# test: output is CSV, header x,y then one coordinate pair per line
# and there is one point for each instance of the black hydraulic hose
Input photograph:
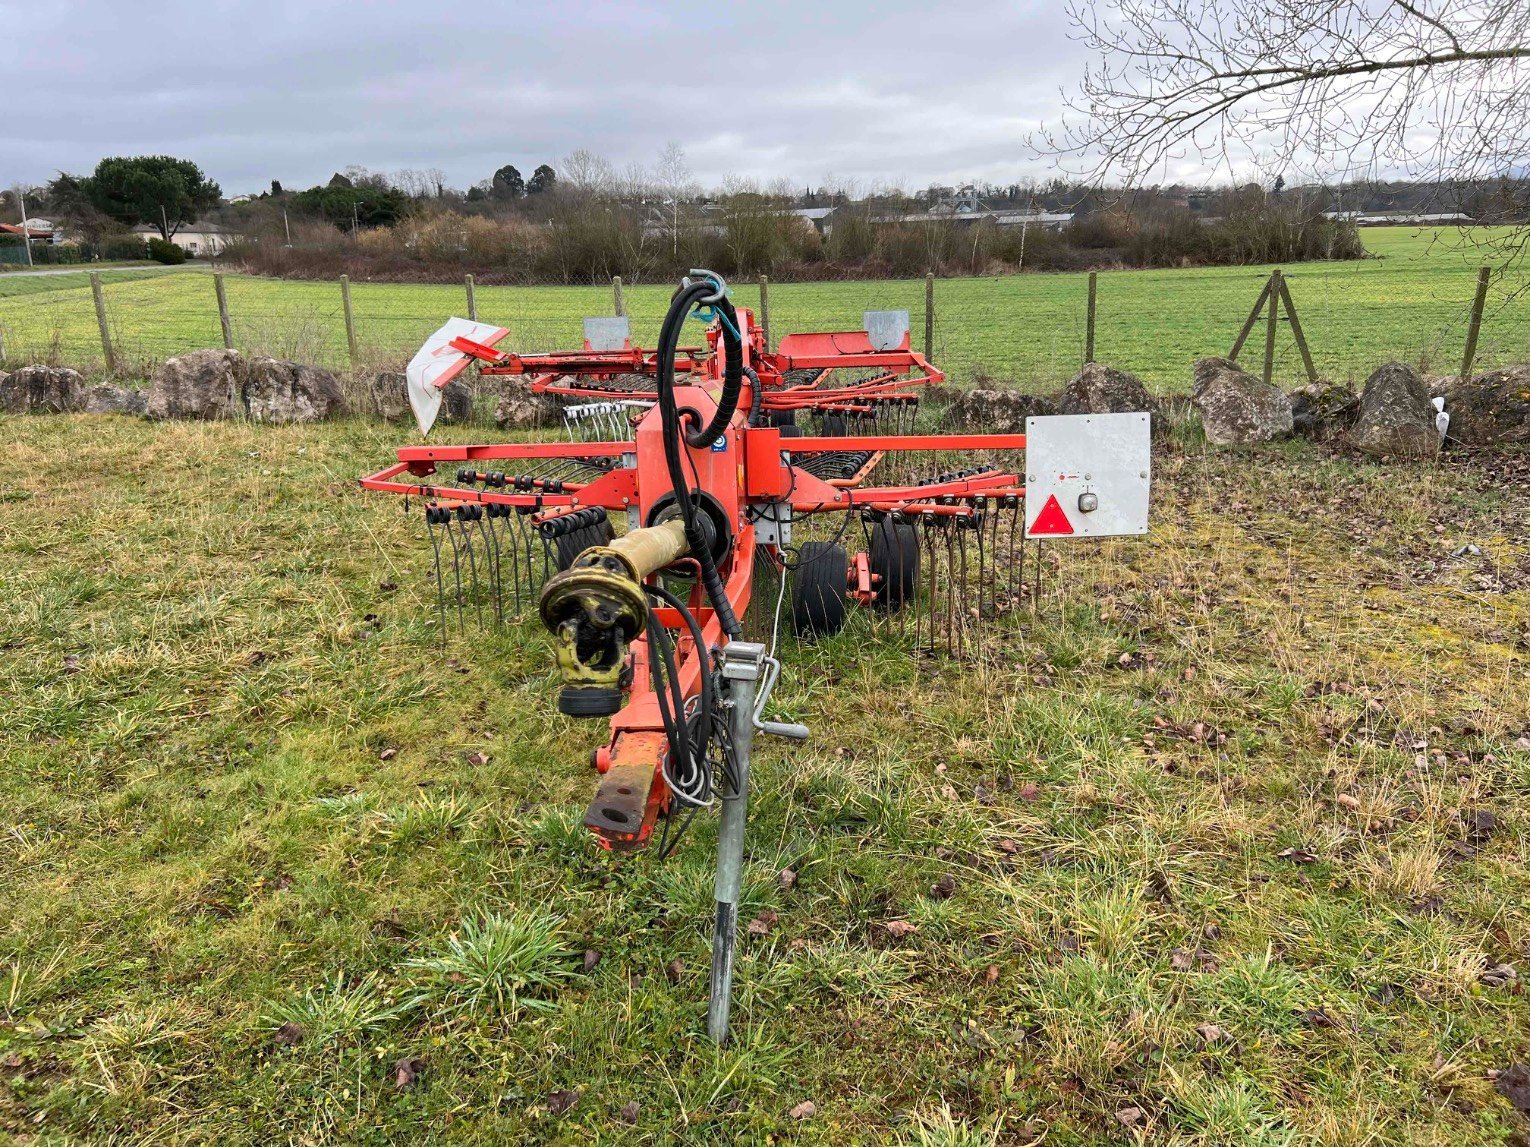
x,y
676,438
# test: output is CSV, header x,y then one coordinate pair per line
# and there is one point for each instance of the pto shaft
x,y
597,606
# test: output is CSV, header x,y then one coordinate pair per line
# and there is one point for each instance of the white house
x,y
194,238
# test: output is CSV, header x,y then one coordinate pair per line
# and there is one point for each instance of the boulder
x,y
108,398
1492,409
996,411
390,395
1323,410
278,391
1101,389
456,401
1396,418
42,390
1236,407
519,409
202,384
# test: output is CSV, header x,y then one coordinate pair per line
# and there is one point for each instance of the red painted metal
x,y
748,467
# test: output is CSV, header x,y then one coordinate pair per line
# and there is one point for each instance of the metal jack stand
x,y
742,665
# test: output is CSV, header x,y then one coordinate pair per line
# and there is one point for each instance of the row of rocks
x,y
1393,415
204,385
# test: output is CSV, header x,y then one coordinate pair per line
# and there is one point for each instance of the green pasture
x,y
1410,301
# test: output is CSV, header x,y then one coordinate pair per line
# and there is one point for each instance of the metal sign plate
x,y
1087,475
607,332
887,330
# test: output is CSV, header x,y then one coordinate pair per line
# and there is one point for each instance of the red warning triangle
x,y
1051,520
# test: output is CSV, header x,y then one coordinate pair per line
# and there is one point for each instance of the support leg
x,y
741,664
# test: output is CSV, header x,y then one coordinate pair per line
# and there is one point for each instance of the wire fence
x,y
1031,331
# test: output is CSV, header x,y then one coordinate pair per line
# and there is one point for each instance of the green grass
x,y
205,839
1412,302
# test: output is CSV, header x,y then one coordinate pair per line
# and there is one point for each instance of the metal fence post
x,y
616,296
1475,327
1269,330
223,319
1089,329
350,318
472,297
106,333
929,315
765,309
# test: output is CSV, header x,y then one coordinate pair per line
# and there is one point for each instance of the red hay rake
x,y
695,451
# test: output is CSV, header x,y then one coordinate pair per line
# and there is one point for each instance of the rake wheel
x,y
894,560
818,589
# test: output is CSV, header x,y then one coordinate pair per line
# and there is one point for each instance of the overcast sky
x,y
885,93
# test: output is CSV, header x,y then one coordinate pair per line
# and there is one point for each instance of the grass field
x,y
1239,887
1412,302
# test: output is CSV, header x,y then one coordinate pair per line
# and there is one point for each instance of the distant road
x,y
79,268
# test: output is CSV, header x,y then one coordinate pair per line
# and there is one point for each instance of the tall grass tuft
x,y
500,965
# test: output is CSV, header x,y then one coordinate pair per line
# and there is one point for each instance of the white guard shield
x,y
438,362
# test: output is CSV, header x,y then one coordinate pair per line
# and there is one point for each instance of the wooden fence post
x,y
929,315
106,333
223,319
350,318
765,310
616,296
1248,323
1089,329
1475,327
1296,329
1269,330
472,298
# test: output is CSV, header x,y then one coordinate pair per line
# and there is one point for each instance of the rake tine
x,y
466,515
456,571
435,544
493,557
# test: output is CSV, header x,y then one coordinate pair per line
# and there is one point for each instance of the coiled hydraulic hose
x,y
674,421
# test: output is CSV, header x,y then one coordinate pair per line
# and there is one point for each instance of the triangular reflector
x,y
1051,520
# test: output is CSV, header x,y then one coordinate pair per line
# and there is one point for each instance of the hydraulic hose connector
x,y
596,607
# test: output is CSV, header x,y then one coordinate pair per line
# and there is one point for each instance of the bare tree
x,y
1426,89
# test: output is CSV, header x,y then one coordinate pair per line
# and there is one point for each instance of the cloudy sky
x,y
873,94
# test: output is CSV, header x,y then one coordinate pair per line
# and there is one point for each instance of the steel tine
x,y
435,544
466,514
451,536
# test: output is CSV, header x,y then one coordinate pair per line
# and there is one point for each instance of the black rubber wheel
x,y
819,584
783,418
894,561
793,431
833,426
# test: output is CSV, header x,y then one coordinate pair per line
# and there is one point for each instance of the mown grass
x,y
1412,301
1216,777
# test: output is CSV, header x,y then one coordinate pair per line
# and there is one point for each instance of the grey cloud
x,y
893,92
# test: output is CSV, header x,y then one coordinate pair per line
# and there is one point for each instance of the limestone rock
x,y
1396,418
519,409
390,395
1236,407
457,401
202,384
278,391
1492,409
996,411
1101,389
108,398
42,390
1323,410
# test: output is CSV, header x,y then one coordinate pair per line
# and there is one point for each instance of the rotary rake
x,y
646,537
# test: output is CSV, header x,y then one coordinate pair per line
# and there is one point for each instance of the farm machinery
x,y
695,453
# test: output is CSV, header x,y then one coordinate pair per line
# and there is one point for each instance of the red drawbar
x,y
1051,520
